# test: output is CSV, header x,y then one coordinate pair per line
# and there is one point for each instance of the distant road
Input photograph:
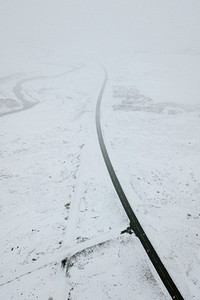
x,y
17,90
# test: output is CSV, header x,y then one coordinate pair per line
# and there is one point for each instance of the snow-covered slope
x,y
56,199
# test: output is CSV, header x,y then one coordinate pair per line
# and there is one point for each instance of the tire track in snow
x,y
75,202
27,273
134,223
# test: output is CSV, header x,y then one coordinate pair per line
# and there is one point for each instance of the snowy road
x,y
134,223
58,201
153,145
19,92
63,230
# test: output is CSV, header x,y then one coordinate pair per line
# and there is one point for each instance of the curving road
x,y
134,223
18,90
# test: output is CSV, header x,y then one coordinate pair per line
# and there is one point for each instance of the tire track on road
x,y
134,223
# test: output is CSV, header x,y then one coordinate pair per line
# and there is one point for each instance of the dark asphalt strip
x,y
134,223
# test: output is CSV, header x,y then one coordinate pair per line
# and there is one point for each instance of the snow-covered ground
x,y
57,203
57,198
153,140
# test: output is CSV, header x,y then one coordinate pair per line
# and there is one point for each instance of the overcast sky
x,y
102,25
